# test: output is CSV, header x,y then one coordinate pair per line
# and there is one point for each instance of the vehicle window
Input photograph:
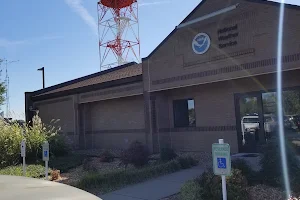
x,y
184,113
250,120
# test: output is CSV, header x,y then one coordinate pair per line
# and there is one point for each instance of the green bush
x,y
209,186
167,154
271,172
137,155
191,190
11,136
34,171
187,162
119,178
10,139
58,146
107,156
251,176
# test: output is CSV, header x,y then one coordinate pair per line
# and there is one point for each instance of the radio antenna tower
x,y
118,29
7,86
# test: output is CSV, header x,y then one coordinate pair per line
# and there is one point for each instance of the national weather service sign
x,y
201,43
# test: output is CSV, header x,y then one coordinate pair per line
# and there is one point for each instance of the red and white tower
x,y
118,28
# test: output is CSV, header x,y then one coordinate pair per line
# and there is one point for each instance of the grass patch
x,y
114,180
64,164
34,171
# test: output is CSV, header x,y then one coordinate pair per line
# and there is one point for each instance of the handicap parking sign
x,y
221,163
45,153
221,159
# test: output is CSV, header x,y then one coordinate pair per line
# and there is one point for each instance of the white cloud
x,y
153,3
76,6
6,43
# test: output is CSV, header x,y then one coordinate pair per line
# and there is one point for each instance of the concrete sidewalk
x,y
155,189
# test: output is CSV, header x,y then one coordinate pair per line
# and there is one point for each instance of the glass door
x,y
250,122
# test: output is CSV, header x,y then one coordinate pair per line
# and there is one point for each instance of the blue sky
x,y
60,35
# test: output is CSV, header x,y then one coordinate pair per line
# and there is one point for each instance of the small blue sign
x,y
221,163
201,43
45,153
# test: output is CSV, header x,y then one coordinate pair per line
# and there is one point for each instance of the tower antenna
x,y
7,86
118,29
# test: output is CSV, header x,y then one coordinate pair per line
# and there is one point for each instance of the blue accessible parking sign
x,y
221,159
221,163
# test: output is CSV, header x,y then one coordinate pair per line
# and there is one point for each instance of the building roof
x,y
121,72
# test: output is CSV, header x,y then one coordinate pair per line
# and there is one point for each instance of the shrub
x,y
187,162
34,171
167,154
209,186
11,136
88,165
106,156
137,155
242,165
10,139
58,146
191,190
271,171
116,179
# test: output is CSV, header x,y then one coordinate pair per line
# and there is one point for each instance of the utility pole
x,y
7,86
43,74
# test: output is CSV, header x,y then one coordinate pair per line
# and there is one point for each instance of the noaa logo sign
x,y
201,43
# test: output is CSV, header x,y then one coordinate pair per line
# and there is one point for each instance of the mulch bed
x,y
258,192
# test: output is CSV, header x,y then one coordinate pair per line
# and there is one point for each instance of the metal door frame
x,y
261,135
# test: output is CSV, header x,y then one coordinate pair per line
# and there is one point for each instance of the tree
x,y
291,102
2,89
248,106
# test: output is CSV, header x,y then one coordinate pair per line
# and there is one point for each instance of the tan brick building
x,y
191,90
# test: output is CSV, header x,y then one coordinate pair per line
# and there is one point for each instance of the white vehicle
x,y
250,124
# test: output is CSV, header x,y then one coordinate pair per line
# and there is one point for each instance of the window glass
x,y
184,113
192,116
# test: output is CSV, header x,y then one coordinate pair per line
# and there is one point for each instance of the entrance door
x,y
250,122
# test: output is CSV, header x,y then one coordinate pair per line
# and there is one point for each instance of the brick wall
x,y
113,123
215,111
175,64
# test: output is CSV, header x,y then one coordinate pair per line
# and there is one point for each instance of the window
x,y
184,113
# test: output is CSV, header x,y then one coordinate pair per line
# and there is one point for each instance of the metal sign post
x,y
23,155
46,157
222,163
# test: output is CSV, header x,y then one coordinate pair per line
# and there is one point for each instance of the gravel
x,y
173,197
258,192
262,192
